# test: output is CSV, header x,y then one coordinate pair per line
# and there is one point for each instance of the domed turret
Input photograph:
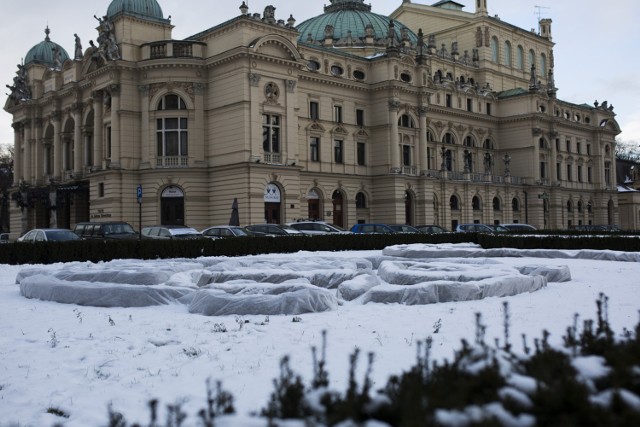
x,y
144,9
44,53
352,19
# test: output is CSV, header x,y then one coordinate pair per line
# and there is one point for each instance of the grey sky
x,y
596,53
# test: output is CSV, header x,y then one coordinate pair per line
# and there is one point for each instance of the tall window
x,y
607,173
406,121
496,204
507,53
314,149
488,108
559,171
543,170
338,151
532,58
469,104
520,58
361,200
362,154
359,117
589,175
314,110
172,133
406,155
448,102
543,65
271,133
495,54
337,113
579,173
569,173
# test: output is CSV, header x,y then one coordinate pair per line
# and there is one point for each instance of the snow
x,y
80,336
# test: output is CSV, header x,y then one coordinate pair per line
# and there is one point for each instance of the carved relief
x,y
271,92
254,79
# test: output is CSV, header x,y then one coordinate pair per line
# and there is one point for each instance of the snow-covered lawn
x,y
81,358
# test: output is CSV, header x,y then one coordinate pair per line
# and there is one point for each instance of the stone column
x,y
115,126
77,139
57,146
394,106
38,150
421,155
148,138
17,152
98,126
27,151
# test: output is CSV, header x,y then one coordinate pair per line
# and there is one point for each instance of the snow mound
x,y
556,273
266,299
451,291
98,294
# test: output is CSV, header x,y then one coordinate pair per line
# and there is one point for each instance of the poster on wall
x,y
272,194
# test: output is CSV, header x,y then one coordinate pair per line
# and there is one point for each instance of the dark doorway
x,y
338,209
172,206
408,208
272,213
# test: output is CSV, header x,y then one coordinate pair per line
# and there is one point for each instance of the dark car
x,y
404,228
4,237
481,228
224,231
274,230
168,232
371,228
48,235
518,227
431,228
111,230
317,227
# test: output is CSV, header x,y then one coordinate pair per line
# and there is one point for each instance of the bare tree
x,y
628,150
6,182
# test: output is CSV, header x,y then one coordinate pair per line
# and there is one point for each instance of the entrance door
x,y
172,206
338,209
272,204
408,208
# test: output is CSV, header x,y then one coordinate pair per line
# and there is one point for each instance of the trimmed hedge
x,y
107,250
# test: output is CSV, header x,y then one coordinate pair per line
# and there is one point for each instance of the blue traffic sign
x,y
139,193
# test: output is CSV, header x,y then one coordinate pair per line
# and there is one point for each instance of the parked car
x,y
225,231
519,227
117,230
403,228
371,228
317,227
274,230
431,228
481,228
170,232
48,235
4,237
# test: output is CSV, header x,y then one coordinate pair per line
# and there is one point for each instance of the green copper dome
x,y
43,53
354,16
139,8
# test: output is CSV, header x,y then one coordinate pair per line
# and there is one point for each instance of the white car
x,y
317,227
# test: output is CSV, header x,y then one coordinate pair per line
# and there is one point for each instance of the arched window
x,y
361,200
507,53
532,58
449,138
520,58
496,204
454,203
543,65
495,53
542,144
406,121
569,206
580,209
488,144
515,205
469,141
172,132
475,203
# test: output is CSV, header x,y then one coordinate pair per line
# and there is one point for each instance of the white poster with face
x,y
272,194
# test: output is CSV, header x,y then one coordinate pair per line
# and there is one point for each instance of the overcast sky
x,y
596,54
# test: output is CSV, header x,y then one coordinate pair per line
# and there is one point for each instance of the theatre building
x,y
433,115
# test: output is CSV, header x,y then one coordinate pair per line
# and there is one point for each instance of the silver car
x,y
317,227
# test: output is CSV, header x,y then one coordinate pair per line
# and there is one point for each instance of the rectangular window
x,y
314,110
469,104
338,151
557,144
362,159
359,117
589,149
589,175
607,173
270,133
579,173
108,153
569,173
543,170
568,146
448,101
488,108
172,137
406,155
337,113
578,147
559,171
101,189
314,149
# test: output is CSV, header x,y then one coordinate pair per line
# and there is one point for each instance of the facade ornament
x,y
107,43
328,32
394,105
78,48
254,79
291,86
533,85
144,90
20,89
422,110
57,58
467,161
271,92
244,9
488,162
478,37
507,164
269,15
199,88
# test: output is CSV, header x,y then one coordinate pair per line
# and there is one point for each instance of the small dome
x,y
352,16
43,53
139,8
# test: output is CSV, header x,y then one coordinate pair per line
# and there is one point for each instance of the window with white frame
x,y
271,134
172,132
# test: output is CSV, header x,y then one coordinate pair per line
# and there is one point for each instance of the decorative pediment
x,y
316,127
339,130
278,46
361,133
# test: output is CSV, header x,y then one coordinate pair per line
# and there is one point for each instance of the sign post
x,y
139,197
